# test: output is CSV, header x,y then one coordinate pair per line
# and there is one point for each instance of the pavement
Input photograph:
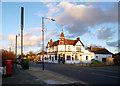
x,y
36,76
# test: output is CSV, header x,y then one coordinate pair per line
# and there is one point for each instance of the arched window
x,y
68,57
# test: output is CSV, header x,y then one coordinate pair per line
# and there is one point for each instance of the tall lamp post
x,y
43,36
16,44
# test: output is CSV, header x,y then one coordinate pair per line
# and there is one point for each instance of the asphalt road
x,y
90,75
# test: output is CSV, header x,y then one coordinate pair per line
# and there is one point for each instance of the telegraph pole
x,y
16,46
22,15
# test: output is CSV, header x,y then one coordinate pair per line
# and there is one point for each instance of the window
x,y
69,48
96,57
72,57
86,57
104,59
68,57
78,48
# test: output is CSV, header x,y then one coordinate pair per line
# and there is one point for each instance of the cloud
x,y
78,18
29,39
34,29
105,34
50,35
114,43
7,37
52,9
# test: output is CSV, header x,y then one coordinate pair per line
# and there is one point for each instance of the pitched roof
x,y
102,51
62,34
41,53
55,43
96,48
67,42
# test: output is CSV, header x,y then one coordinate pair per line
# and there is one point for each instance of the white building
x,y
68,51
101,53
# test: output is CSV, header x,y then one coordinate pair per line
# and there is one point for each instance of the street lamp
x,y
16,44
43,36
43,30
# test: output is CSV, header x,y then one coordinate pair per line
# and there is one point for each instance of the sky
x,y
96,23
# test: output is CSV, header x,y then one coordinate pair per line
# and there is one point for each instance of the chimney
x,y
78,38
91,47
50,40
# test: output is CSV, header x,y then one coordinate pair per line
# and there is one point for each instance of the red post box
x,y
9,67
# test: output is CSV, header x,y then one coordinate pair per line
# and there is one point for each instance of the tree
x,y
31,54
117,59
7,55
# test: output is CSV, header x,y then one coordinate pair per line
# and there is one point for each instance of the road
x,y
90,75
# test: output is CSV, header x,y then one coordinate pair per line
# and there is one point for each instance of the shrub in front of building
x,y
117,60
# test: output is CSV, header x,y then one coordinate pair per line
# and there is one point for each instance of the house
x,y
42,55
100,53
68,51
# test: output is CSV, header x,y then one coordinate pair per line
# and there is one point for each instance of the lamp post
x,y
43,36
16,44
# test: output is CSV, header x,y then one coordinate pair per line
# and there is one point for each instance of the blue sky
x,y
95,23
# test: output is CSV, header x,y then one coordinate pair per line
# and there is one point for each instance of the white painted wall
x,y
73,48
61,47
55,48
78,43
100,56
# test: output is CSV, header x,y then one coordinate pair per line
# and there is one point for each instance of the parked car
x,y
34,61
95,61
39,61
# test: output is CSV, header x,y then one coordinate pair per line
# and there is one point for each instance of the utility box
x,y
9,67
25,64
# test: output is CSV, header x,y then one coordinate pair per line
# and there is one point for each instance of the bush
x,y
117,60
25,63
7,55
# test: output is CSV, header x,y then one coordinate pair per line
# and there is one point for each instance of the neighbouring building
x,y
101,54
42,55
68,51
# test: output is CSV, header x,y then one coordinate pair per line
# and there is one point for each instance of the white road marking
x,y
105,75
